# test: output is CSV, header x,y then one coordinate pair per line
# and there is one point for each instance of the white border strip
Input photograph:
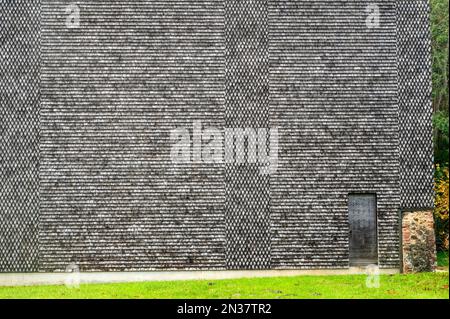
x,y
30,279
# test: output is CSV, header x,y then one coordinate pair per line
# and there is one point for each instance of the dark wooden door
x,y
362,214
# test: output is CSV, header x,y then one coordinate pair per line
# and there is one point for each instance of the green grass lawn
x,y
425,285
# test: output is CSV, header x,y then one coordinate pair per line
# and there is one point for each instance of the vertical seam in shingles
x,y
269,126
19,142
416,135
248,192
39,139
398,114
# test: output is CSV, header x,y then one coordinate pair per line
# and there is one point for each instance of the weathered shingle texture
x,y
351,105
334,98
416,131
111,199
19,135
247,207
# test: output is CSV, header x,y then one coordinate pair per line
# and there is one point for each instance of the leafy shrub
x,y
439,35
440,124
441,207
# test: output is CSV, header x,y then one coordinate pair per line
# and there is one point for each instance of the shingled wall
x,y
113,88
333,87
415,109
19,135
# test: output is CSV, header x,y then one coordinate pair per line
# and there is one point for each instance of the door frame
x,y
375,195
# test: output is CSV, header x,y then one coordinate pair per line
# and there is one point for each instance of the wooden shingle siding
x,y
414,80
111,199
247,207
333,95
86,173
19,135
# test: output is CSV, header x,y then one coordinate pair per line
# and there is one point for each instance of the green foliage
x,y
441,207
439,33
440,123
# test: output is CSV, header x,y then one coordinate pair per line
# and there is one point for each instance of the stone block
x,y
419,246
